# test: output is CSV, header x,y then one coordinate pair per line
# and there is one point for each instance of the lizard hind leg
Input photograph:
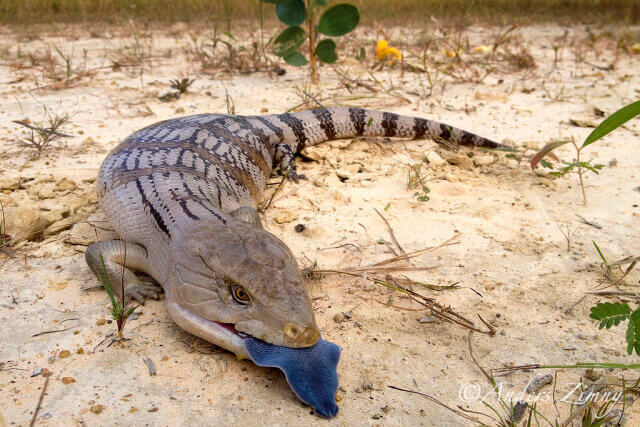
x,y
114,261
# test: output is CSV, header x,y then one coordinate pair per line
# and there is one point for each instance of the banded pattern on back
x,y
203,166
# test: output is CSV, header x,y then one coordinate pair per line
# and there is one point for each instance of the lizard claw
x,y
142,291
295,176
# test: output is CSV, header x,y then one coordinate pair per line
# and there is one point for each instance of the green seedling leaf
x,y
633,333
508,149
105,283
339,20
604,260
288,41
291,13
296,59
613,122
610,314
547,149
326,51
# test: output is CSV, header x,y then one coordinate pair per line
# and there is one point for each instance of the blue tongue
x,y
311,371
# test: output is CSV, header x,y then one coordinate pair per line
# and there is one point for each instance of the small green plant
x,y
119,310
609,314
609,124
416,180
181,84
613,270
336,21
42,134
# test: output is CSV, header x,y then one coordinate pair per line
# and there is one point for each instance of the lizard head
x,y
236,277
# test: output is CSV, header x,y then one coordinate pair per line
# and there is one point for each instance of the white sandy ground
x,y
512,263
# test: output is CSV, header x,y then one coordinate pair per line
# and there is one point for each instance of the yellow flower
x,y
635,48
483,49
383,50
451,53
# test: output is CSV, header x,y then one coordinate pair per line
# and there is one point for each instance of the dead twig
x,y
53,331
42,129
434,400
393,236
284,178
47,375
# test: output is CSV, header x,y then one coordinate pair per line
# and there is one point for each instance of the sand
x,y
512,265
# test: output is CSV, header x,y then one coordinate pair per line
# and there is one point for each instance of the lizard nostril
x,y
292,330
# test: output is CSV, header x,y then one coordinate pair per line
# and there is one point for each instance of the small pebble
x,y
300,228
96,409
428,319
101,321
68,380
154,409
64,354
338,318
592,374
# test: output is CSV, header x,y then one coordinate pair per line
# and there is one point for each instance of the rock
x,y
484,160
101,321
428,319
68,380
24,223
583,120
285,216
338,318
64,354
49,188
542,172
62,225
456,159
592,374
10,183
96,409
348,171
538,382
434,159
488,96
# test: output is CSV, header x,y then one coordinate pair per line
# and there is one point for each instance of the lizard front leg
x,y
113,262
284,158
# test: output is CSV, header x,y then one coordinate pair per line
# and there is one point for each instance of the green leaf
x,y
339,20
613,122
291,13
326,51
600,253
547,149
296,59
289,40
633,333
610,314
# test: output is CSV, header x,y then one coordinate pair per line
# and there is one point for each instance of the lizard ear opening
x,y
247,214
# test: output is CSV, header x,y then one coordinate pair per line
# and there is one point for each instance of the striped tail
x,y
311,127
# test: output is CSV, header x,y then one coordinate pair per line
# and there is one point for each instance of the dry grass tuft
x,y
117,11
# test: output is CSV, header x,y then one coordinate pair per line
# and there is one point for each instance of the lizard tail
x,y
311,127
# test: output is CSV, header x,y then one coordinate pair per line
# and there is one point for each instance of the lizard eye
x,y
240,295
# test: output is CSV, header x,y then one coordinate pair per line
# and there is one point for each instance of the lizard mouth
x,y
224,335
